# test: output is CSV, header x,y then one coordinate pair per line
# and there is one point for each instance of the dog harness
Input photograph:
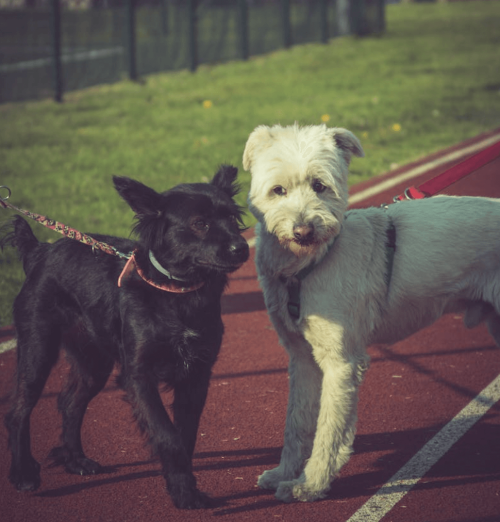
x,y
131,264
293,283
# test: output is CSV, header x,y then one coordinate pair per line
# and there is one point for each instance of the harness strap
x,y
390,248
293,284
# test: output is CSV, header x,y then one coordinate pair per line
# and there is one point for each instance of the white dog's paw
x,y
270,479
285,491
297,490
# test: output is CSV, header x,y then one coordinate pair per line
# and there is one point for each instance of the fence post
x,y
131,41
243,28
342,18
164,17
287,33
381,16
192,35
323,13
56,50
359,21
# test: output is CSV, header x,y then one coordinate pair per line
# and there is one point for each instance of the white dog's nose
x,y
303,232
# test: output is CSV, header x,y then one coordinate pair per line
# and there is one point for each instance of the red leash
x,y
453,174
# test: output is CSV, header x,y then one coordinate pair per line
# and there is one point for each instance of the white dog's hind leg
x,y
493,323
480,311
476,312
303,403
334,434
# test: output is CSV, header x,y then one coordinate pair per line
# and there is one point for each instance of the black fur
x,y
70,298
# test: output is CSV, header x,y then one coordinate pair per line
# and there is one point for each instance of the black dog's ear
x,y
141,199
225,179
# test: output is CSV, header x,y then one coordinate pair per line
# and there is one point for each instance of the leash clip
x,y
2,199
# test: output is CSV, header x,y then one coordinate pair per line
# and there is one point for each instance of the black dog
x,y
162,325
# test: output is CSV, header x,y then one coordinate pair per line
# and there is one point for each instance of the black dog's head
x,y
193,230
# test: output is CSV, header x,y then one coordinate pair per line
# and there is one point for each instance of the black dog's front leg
x,y
189,401
166,441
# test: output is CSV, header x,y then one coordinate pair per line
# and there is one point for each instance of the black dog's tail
x,y
20,236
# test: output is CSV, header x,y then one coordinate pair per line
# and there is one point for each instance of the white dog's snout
x,y
303,232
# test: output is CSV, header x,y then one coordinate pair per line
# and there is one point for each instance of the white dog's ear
x,y
348,143
261,137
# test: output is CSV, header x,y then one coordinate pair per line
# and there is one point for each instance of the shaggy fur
x,y
447,258
71,298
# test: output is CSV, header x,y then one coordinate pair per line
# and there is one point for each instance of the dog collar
x,y
162,270
172,287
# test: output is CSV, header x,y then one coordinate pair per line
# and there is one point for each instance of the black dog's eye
x,y
200,225
279,190
318,187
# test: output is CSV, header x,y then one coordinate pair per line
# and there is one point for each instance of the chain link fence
x,y
48,47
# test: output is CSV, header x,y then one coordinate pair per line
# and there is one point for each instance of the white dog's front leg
x,y
302,412
334,434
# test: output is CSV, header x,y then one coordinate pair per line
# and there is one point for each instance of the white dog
x,y
336,281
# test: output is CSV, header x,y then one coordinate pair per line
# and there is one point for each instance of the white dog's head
x,y
299,182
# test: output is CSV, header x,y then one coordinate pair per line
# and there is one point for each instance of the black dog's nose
x,y
303,233
239,249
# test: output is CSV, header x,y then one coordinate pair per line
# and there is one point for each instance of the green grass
x,y
434,76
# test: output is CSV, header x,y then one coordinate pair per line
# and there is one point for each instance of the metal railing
x,y
48,47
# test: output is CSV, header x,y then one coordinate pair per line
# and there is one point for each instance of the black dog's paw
x,y
27,478
185,494
80,465
83,466
194,499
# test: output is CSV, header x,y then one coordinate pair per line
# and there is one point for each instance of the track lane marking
x,y
421,169
7,345
410,474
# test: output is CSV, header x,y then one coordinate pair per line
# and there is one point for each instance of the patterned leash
x,y
63,229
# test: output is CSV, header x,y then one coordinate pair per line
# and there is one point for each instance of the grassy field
x,y
432,80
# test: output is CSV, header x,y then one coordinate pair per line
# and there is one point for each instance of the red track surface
x,y
411,391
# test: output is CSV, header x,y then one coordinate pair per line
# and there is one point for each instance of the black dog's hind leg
x,y
90,370
165,439
37,352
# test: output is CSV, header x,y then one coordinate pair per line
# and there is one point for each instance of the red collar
x,y
169,287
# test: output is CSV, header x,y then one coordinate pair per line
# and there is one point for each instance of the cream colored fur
x,y
447,259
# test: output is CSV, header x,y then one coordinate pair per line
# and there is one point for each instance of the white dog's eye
x,y
317,186
279,190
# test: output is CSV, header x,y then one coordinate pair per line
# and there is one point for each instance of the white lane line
x,y
404,480
421,169
7,345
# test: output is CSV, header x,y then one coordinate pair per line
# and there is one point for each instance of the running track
x,y
428,445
